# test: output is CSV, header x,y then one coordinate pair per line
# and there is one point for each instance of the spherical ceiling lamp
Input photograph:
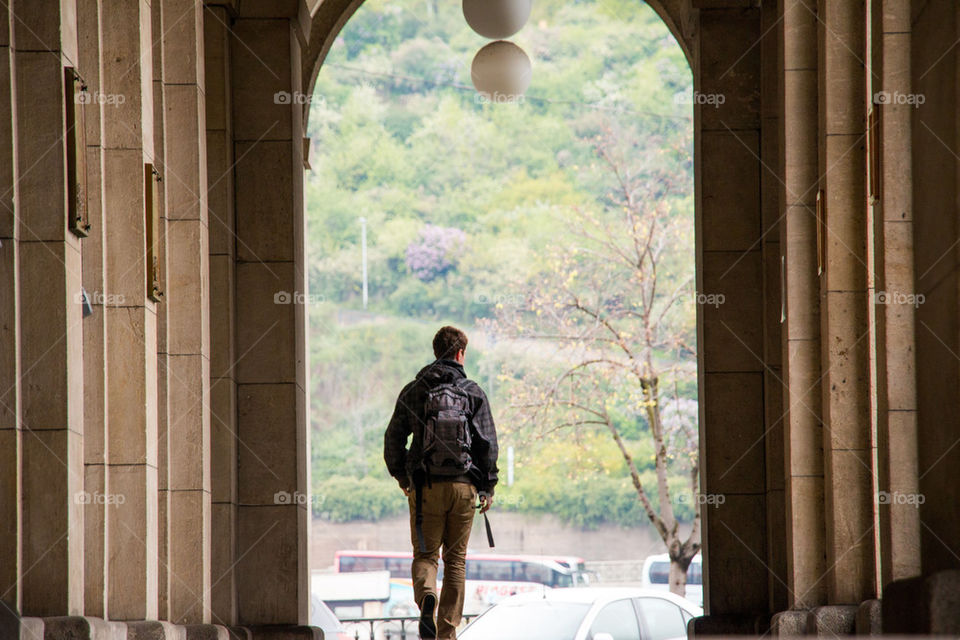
x,y
497,19
501,71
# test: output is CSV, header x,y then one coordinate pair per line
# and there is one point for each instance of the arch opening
x,y
385,102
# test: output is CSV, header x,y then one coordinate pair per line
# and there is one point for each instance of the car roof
x,y
600,595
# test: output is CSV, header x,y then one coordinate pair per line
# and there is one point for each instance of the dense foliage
x,y
463,202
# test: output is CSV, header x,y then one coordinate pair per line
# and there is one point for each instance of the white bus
x,y
656,575
490,577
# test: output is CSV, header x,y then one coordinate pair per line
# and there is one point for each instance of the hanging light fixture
x,y
497,19
501,71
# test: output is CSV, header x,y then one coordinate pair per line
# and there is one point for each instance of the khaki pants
x,y
447,519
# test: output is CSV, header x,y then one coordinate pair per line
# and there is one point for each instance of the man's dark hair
x,y
448,341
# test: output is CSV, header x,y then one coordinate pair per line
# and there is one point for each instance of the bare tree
x,y
617,310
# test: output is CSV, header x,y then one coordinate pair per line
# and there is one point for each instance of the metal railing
x,y
386,628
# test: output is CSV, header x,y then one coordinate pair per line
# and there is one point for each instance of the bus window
x,y
495,570
473,570
347,564
561,579
532,572
398,567
660,573
371,564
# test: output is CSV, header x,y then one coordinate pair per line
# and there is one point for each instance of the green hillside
x,y
465,203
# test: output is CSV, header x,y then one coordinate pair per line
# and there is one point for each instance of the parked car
x,y
656,575
585,613
321,616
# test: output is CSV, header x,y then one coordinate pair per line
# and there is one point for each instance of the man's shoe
x,y
428,626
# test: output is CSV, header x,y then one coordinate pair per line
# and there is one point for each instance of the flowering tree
x,y
617,313
435,252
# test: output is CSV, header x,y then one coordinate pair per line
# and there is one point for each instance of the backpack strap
x,y
460,383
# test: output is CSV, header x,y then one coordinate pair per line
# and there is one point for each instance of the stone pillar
x,y
94,326
731,335
774,385
126,146
163,325
935,73
926,604
845,339
272,521
10,424
187,307
896,310
223,386
50,334
804,440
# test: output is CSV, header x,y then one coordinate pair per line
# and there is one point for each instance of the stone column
x,y
126,145
272,522
893,237
10,424
94,326
50,346
925,604
845,340
187,307
935,75
804,440
774,385
223,386
731,335
163,325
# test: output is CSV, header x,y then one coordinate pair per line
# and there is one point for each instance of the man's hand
x,y
486,501
406,490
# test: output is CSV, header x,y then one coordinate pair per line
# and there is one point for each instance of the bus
x,y
656,575
490,577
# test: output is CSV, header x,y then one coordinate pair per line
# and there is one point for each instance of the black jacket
x,y
408,419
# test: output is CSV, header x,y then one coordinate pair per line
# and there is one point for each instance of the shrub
x,y
345,499
435,252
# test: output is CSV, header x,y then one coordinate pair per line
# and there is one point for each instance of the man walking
x,y
451,460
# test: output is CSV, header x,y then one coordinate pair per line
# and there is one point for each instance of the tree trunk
x,y
678,578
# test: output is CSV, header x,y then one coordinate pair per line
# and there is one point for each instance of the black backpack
x,y
446,444
446,431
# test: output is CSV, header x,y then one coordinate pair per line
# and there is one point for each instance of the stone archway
x,y
735,251
328,17
193,405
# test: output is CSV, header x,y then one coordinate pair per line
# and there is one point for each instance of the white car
x,y
656,575
321,616
588,613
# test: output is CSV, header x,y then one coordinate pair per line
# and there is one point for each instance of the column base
x,y
15,627
154,630
81,628
828,620
832,620
207,632
869,619
787,624
925,604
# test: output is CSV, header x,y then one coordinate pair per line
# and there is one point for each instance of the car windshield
x,y
533,620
